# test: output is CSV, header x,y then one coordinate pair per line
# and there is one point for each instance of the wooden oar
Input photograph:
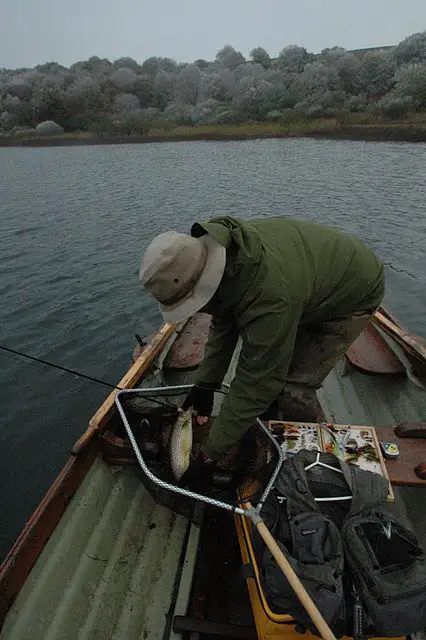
x,y
412,343
133,375
295,582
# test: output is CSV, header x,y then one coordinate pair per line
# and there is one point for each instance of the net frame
x,y
172,395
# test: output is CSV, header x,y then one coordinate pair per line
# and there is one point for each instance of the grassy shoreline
x,y
389,131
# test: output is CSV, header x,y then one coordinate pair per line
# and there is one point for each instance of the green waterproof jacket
x,y
279,273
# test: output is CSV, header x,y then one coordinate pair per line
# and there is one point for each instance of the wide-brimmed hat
x,y
182,272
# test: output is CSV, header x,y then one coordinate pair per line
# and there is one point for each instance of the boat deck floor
x,y
219,591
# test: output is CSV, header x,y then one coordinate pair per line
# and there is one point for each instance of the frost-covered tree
x,y
259,55
50,67
48,127
348,68
188,85
250,70
179,113
163,89
123,78
377,72
229,58
49,104
357,104
84,85
126,63
315,79
152,66
84,94
250,97
7,120
411,49
201,64
125,102
12,104
83,101
293,58
279,78
204,111
280,98
323,103
98,66
94,66
20,87
143,88
220,85
395,107
54,80
331,54
410,82
150,114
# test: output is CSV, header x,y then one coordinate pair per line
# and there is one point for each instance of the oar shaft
x,y
413,344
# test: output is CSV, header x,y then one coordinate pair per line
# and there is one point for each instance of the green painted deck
x,y
108,570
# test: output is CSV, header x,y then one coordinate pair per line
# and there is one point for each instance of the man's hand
x,y
201,401
199,475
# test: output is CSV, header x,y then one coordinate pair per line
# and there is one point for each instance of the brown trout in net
x,y
180,444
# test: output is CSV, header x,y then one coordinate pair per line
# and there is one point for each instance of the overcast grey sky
x,y
33,32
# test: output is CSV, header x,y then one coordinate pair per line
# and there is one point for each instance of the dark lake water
x,y
74,222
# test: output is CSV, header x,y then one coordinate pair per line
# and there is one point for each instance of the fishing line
x,y
71,371
390,265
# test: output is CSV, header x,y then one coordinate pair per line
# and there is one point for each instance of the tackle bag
x,y
363,568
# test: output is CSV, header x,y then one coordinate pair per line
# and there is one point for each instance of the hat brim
x,y
205,288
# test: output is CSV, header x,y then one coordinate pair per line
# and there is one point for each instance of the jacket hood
x,y
227,230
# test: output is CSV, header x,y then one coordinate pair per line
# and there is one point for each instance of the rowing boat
x,y
99,558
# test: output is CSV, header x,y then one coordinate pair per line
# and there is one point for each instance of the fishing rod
x,y
72,371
